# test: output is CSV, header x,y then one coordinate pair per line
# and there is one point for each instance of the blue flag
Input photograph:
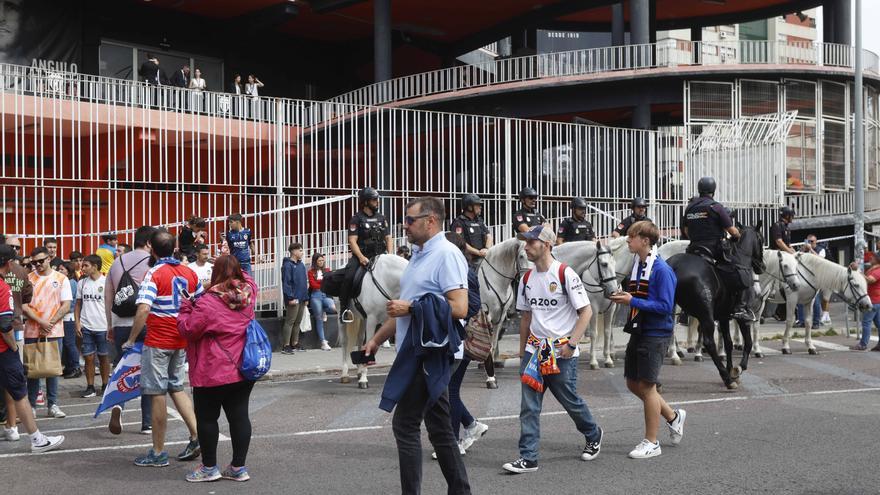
x,y
125,383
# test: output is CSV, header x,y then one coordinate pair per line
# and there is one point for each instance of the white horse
x,y
602,269
815,274
379,285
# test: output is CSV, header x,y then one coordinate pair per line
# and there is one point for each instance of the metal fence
x,y
668,53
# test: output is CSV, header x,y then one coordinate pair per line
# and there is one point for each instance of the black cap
x,y
578,203
470,200
786,211
706,185
638,202
367,194
528,192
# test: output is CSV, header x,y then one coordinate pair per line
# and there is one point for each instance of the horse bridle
x,y
501,301
850,286
600,251
785,276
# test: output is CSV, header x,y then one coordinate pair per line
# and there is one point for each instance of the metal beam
x,y
327,6
270,17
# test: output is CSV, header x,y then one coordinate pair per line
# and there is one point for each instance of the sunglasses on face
x,y
409,220
38,262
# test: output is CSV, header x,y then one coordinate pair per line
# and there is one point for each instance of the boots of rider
x,y
742,311
345,315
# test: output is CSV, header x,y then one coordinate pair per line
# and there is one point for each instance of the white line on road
x,y
87,415
829,345
49,432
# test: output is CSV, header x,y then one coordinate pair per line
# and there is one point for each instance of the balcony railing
x,y
669,53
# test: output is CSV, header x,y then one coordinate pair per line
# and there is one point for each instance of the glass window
x,y
834,156
759,97
115,61
801,158
800,96
833,100
711,101
212,73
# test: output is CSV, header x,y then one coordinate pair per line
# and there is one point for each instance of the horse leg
x,y
727,341
808,329
786,335
367,326
489,365
707,332
608,331
673,350
737,340
746,333
694,326
347,341
594,336
755,328
722,351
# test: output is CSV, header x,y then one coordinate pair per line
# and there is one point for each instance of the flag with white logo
x,y
125,383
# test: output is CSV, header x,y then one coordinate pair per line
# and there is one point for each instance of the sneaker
x,y
41,399
386,344
473,433
191,451
287,350
235,474
826,318
69,374
520,466
152,459
51,443
11,434
676,426
461,450
325,346
56,412
88,392
147,430
591,449
297,348
859,347
203,473
645,449
115,425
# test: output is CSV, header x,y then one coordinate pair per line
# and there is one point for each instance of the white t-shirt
x,y
91,293
203,272
554,311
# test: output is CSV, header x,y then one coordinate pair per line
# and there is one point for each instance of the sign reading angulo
x,y
53,72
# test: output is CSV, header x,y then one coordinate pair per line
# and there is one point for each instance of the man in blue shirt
x,y
240,241
436,267
651,297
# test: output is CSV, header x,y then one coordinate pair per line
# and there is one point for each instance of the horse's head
x,y
522,261
750,247
856,291
607,270
788,270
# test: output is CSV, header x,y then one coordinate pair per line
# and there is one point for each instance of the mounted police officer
x,y
780,233
470,225
705,223
368,236
639,209
527,216
576,227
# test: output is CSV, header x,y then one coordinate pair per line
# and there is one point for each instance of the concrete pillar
x,y
828,21
639,22
618,31
652,21
843,22
524,42
382,40
697,37
641,118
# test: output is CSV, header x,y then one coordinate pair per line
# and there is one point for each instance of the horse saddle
x,y
703,252
357,280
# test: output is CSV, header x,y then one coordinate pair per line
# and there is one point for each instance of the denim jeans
x,y
459,416
868,317
120,335
564,387
69,352
817,310
320,303
33,386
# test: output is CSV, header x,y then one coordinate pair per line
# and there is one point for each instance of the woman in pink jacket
x,y
215,327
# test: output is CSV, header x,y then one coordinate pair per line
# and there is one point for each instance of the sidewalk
x,y
316,362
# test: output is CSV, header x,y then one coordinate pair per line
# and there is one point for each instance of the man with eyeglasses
x,y
50,302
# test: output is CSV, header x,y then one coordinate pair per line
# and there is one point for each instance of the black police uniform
x,y
528,217
706,221
474,231
371,231
571,230
780,230
627,222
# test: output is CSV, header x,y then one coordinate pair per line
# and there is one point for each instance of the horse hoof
x,y
786,351
698,359
680,354
363,385
691,350
732,386
759,354
345,379
491,385
735,373
676,362
609,364
594,366
813,352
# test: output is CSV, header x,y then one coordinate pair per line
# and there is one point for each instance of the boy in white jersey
x,y
555,314
91,323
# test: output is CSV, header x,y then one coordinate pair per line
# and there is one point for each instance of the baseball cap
x,y
540,233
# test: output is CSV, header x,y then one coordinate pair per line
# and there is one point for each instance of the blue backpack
x,y
256,357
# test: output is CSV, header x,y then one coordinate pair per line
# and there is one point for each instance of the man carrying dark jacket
x,y
436,272
295,287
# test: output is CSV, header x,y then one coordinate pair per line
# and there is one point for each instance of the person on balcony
x,y
252,88
181,77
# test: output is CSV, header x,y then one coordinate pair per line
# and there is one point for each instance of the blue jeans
x,y
868,317
458,414
33,386
564,387
69,352
120,335
817,310
320,303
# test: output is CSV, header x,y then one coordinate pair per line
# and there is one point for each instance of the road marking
x,y
829,369
47,432
87,415
829,345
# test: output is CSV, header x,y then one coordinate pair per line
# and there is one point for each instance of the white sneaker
x,y
473,433
51,444
645,449
461,450
41,399
386,344
325,346
676,426
11,434
56,412
826,318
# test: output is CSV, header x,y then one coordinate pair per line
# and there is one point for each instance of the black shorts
x,y
644,356
12,377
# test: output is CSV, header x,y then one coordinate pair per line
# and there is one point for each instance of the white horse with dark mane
x,y
602,269
380,285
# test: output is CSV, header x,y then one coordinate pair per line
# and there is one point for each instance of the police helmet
x,y
367,194
638,202
528,192
578,203
786,211
706,185
470,200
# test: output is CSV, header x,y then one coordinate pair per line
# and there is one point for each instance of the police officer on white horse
x,y
470,225
639,213
576,227
368,236
527,216
705,223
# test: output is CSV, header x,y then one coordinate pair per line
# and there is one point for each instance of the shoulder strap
x,y
124,270
562,267
525,280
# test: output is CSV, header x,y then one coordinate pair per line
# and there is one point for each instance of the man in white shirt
x,y
201,266
555,314
91,323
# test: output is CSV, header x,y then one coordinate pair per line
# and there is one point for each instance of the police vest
x,y
572,230
370,231
473,231
528,217
703,223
